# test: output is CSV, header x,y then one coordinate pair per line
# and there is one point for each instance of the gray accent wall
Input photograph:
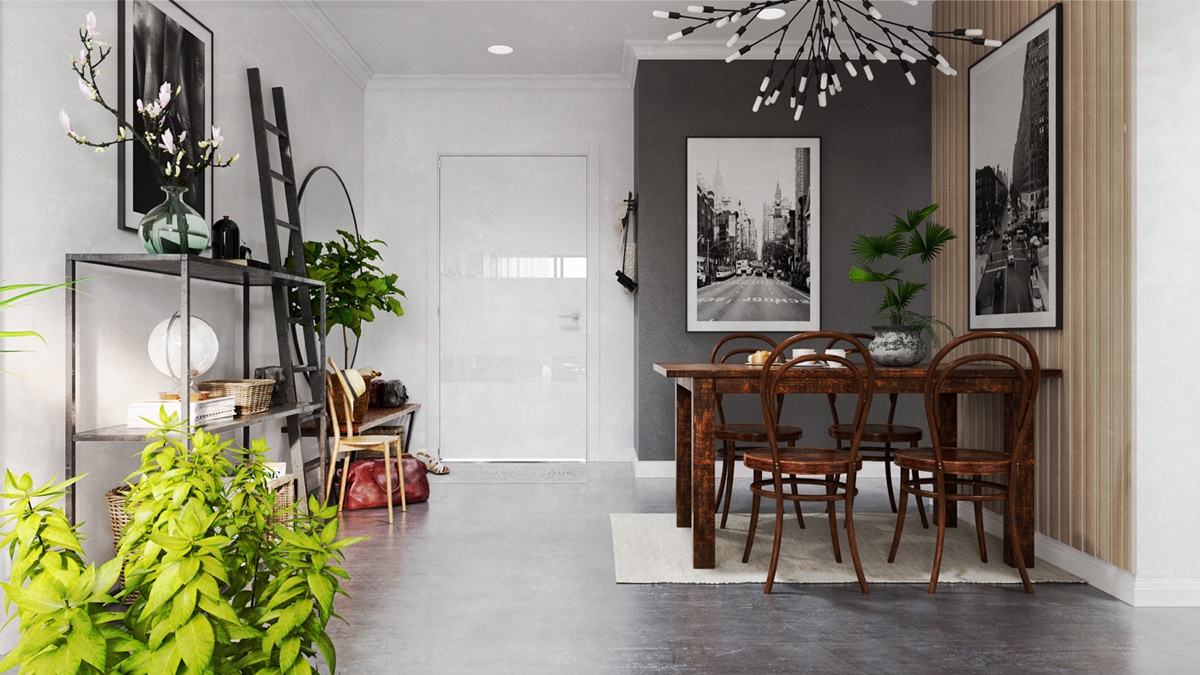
x,y
875,161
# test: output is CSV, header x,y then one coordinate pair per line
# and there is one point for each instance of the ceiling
x,y
550,37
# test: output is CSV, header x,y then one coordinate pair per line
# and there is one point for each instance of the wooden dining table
x,y
696,387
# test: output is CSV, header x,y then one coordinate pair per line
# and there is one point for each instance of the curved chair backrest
x,y
892,398
939,377
347,401
860,376
734,348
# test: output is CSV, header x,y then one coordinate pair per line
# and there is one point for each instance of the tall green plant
x,y
219,586
355,288
22,292
905,244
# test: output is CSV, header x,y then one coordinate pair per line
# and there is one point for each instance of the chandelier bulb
x,y
947,70
911,80
732,40
851,69
942,60
875,14
833,20
911,2
992,43
821,99
757,103
766,81
824,79
972,32
803,83
674,36
799,110
774,97
908,57
837,84
879,56
699,9
722,21
793,102
868,73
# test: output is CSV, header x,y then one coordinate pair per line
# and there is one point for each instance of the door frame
x,y
564,147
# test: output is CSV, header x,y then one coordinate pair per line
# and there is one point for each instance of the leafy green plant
x,y
354,287
217,584
22,292
905,243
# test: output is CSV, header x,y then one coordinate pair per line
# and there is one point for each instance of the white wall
x,y
408,121
58,198
1167,296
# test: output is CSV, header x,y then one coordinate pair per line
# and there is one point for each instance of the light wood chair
x,y
344,445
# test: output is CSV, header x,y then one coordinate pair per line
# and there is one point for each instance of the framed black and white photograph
x,y
162,42
1016,180
754,234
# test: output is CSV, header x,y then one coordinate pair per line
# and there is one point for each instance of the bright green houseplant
x,y
903,251
216,585
17,293
355,288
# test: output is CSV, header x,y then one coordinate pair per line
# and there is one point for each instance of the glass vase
x,y
173,226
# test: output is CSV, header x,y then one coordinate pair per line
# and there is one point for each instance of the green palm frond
x,y
936,237
868,274
868,249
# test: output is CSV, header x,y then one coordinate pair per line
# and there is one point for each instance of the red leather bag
x,y
366,483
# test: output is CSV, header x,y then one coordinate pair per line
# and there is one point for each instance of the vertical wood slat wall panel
x,y
1084,450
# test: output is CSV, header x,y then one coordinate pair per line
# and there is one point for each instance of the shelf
x,y
124,433
199,267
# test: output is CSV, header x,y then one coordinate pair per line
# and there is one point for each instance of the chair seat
x,y
955,460
878,433
801,461
754,433
369,440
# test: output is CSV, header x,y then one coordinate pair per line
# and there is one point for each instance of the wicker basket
x,y
360,404
285,494
250,396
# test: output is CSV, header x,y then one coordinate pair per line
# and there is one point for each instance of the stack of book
x,y
145,414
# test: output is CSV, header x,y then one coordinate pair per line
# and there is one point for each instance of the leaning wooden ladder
x,y
282,293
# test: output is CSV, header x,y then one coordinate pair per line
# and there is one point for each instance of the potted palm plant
x,y
904,250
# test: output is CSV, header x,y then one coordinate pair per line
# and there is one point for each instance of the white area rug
x,y
648,549
511,472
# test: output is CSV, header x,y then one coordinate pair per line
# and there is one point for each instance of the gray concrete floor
x,y
518,578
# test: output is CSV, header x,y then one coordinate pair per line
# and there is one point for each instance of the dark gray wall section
x,y
875,161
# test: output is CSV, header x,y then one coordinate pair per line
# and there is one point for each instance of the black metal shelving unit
x,y
189,268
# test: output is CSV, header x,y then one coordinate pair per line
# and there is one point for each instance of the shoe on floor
x,y
432,464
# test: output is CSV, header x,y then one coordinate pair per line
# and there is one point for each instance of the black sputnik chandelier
x,y
832,36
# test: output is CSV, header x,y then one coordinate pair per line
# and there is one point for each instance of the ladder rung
x,y
274,129
282,178
303,369
299,320
284,223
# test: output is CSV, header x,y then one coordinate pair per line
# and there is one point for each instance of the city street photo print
x,y
754,234
1016,180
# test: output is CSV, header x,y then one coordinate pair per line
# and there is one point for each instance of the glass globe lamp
x,y
166,341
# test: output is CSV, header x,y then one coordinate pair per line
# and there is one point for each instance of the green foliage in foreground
x,y
219,586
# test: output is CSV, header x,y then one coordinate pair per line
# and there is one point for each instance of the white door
x,y
513,339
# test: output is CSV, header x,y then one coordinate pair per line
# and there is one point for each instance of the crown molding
x,y
450,83
313,20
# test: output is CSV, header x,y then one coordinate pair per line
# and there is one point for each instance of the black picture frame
x,y
754,234
1015,180
161,41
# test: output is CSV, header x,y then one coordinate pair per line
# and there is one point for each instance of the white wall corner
x,y
313,20
629,63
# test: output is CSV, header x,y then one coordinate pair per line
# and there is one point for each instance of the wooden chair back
x,y
734,348
941,371
860,373
892,398
333,379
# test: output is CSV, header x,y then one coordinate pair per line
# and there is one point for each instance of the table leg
x,y
1021,491
948,435
703,479
683,454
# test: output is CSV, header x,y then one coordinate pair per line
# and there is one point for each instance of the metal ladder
x,y
282,292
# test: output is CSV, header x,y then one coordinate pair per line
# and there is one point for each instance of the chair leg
x,y
887,473
387,476
345,473
830,490
979,521
941,539
796,503
901,515
332,470
778,537
1018,554
727,467
916,477
858,570
755,502
400,463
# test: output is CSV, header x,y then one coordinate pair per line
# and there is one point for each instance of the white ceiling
x,y
550,37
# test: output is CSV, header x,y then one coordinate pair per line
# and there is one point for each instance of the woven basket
x,y
360,404
250,396
285,494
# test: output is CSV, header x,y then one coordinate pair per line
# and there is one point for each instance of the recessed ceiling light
x,y
771,13
500,49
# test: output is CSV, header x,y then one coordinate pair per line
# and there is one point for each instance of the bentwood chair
x,y
882,437
351,442
970,474
831,471
736,348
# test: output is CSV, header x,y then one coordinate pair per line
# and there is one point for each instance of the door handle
x,y
574,316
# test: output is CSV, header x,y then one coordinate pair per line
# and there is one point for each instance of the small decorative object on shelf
x,y
172,227
253,396
166,343
226,240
